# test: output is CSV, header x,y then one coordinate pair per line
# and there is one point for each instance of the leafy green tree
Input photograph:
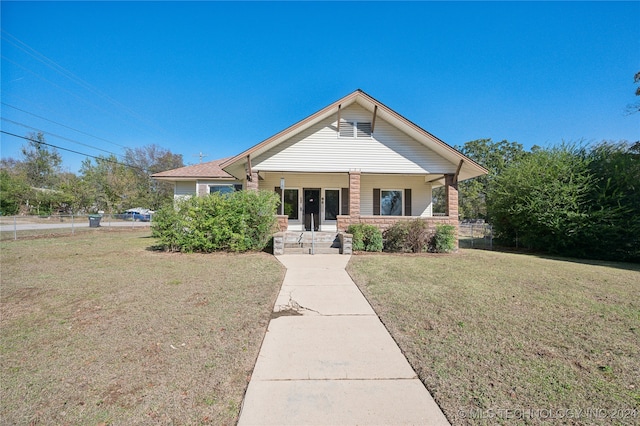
x,y
495,157
111,185
146,161
635,107
14,191
542,200
615,201
41,163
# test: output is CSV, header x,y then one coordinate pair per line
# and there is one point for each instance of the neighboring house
x,y
200,179
355,161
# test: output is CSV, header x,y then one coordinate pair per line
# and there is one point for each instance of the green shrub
x,y
444,239
365,237
395,237
407,236
238,222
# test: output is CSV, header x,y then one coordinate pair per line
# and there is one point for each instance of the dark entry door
x,y
311,207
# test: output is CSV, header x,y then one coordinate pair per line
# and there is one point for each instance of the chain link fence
x,y
475,234
17,227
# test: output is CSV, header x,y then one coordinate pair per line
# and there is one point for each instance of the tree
x,y
148,160
41,164
110,184
635,107
615,201
495,157
14,191
542,201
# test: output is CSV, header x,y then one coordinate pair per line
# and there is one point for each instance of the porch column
x,y
252,184
451,189
354,195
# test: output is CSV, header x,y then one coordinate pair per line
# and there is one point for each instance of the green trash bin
x,y
94,220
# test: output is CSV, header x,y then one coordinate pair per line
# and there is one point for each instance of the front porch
x,y
333,201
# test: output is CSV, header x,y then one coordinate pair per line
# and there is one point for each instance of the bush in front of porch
x,y
365,237
238,222
412,236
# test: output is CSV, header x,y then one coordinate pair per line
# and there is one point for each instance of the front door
x,y
311,208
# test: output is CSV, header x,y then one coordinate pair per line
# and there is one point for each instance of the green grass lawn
x,y
489,332
99,329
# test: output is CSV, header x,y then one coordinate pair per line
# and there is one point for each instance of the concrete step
x,y
335,244
307,250
306,237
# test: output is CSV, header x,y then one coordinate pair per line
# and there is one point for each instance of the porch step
x,y
307,250
302,242
306,237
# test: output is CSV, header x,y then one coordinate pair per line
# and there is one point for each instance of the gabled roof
x,y
208,170
469,169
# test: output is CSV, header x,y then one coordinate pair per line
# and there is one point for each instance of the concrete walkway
x,y
327,359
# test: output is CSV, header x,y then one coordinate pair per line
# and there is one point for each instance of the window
x,y
222,189
291,203
354,129
225,188
391,202
331,204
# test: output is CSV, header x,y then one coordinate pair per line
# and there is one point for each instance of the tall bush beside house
x,y
365,237
542,200
444,239
238,222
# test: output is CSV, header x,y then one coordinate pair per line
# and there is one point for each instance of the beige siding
x,y
319,149
183,189
309,180
420,192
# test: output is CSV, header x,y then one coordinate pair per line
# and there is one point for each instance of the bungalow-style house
x,y
354,161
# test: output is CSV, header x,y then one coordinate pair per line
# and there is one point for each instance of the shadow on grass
x,y
629,266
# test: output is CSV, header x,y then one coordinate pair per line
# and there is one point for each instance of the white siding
x,y
319,149
420,192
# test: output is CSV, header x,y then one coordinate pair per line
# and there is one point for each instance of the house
x,y
354,161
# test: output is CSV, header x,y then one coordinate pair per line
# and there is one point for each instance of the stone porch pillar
x,y
451,189
252,184
354,196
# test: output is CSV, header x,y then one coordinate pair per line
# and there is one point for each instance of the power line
x,y
63,125
74,78
75,152
58,136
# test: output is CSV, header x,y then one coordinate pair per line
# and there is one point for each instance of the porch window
x,y
291,203
331,204
391,202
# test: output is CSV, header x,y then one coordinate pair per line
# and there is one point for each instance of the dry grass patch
x,y
97,328
488,332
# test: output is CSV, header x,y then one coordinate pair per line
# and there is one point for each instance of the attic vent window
x,y
355,129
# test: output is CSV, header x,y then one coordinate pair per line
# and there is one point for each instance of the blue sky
x,y
218,78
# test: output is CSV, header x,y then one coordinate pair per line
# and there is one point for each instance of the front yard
x,y
504,338
98,329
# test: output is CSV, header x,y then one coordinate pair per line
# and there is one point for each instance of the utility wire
x,y
59,137
75,152
61,88
63,125
74,78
